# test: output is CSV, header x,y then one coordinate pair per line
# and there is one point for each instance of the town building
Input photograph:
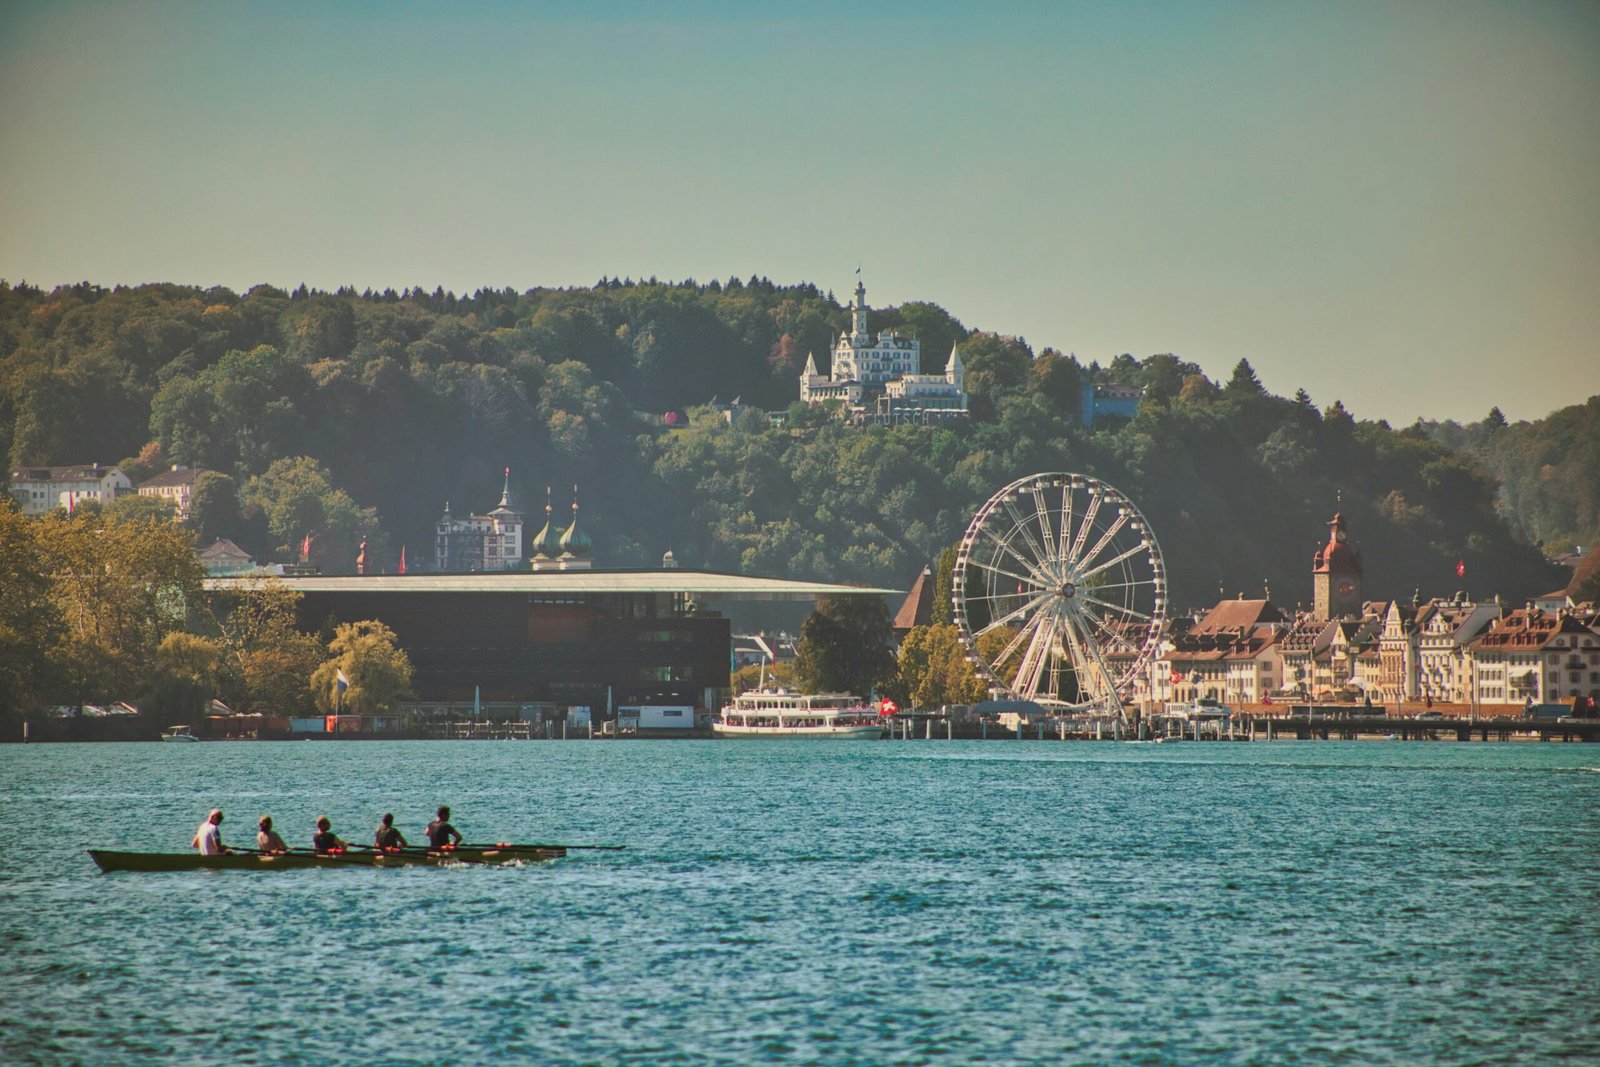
x,y
1231,654
38,490
174,487
222,556
491,542
1098,401
1535,657
887,370
1444,633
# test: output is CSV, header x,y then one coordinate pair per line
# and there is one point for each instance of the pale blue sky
x,y
1392,204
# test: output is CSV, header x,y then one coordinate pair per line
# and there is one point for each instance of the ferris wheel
x,y
1059,592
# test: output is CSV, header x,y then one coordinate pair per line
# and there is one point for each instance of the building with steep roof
x,y
917,608
222,556
491,542
1231,654
887,370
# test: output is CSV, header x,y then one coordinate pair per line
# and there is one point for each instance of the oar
x,y
531,848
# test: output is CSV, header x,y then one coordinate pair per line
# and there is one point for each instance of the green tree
x,y
298,498
185,678
378,670
120,589
1243,382
844,646
214,509
933,669
944,570
30,620
135,507
267,661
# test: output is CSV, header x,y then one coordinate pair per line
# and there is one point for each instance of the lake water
x,y
829,903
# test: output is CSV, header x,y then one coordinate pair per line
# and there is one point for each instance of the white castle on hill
x,y
886,371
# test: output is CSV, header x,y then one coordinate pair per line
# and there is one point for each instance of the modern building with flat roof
x,y
597,638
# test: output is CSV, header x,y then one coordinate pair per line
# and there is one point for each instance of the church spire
x,y
505,493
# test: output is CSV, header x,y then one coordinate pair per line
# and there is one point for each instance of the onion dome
x,y
575,543
547,542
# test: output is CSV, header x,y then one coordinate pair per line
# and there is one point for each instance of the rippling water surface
x,y
804,902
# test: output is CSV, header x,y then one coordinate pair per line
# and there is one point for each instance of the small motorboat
x,y
179,733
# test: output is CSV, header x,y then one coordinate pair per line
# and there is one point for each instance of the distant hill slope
x,y
347,415
1548,470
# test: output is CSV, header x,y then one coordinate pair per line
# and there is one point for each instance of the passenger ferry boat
x,y
779,713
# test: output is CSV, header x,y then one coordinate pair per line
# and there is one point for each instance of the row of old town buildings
x,y
1441,651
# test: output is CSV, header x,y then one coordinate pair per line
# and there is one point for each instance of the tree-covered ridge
x,y
1548,470
343,415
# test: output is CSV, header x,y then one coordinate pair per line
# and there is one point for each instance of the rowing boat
x,y
108,860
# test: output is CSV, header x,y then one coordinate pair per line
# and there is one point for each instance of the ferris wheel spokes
x,y
1087,611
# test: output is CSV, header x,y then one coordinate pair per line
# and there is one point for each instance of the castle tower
x,y
1336,575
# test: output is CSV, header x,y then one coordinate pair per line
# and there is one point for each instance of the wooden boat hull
x,y
108,860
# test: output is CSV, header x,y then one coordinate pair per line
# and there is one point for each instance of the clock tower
x,y
1336,575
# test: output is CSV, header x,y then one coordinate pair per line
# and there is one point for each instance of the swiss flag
x,y
1461,568
888,707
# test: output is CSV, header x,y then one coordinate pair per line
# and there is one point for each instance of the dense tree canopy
x,y
343,416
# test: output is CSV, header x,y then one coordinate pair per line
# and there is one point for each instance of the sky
x,y
1394,205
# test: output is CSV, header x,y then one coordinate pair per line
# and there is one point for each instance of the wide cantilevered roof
x,y
702,585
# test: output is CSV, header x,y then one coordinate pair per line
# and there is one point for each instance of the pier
x,y
1246,727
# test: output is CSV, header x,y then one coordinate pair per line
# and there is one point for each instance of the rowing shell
x,y
254,861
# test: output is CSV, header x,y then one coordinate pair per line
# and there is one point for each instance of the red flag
x,y
1176,678
305,550
888,707
1461,568
402,559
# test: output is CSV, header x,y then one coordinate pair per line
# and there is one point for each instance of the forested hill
x,y
1548,469
343,414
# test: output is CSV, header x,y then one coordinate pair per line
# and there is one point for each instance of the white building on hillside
x,y
491,542
38,490
888,369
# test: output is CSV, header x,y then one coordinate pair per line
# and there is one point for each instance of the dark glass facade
x,y
597,649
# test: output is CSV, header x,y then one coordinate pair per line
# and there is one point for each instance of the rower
x,y
440,833
268,839
388,838
325,840
208,838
